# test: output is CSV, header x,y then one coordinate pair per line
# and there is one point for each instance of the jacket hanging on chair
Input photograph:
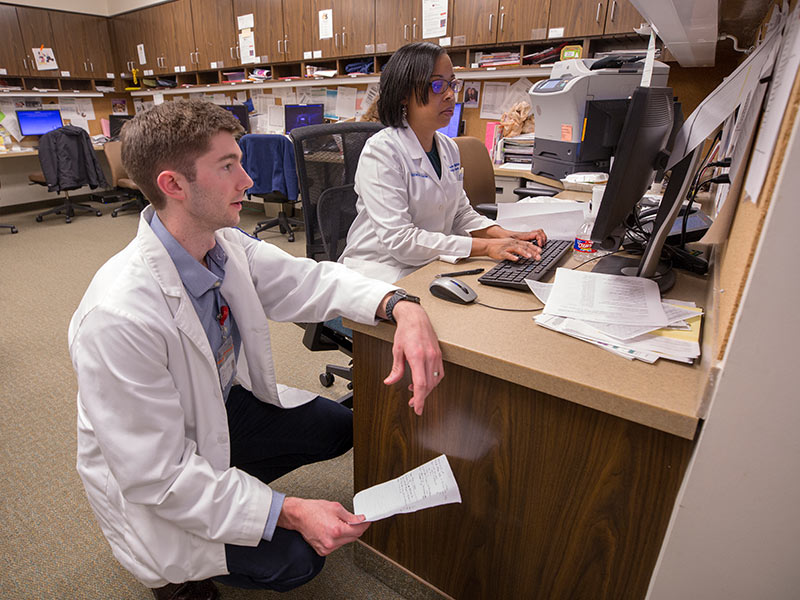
x,y
68,160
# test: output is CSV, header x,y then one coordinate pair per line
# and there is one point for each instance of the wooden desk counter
x,y
568,458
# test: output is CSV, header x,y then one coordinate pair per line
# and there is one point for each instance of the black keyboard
x,y
513,274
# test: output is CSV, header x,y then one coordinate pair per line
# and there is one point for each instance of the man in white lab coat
x,y
181,423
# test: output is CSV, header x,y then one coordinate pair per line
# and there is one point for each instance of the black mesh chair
x,y
327,157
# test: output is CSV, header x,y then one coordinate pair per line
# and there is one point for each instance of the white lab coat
x,y
407,216
153,443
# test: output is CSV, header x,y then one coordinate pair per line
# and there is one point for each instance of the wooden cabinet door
x,y
476,21
69,32
622,17
214,37
122,27
267,27
13,57
144,25
97,46
522,20
393,24
34,25
174,45
299,29
578,17
355,20
330,45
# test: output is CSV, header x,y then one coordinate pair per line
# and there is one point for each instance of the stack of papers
x,y
624,315
559,218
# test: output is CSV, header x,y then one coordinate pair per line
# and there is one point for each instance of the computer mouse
x,y
453,290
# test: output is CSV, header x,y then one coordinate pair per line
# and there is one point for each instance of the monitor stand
x,y
663,275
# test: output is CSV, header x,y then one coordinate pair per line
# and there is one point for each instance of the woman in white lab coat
x,y
411,206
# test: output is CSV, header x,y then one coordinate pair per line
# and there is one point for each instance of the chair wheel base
x,y
326,379
38,218
98,213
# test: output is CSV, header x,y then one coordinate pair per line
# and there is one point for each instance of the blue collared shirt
x,y
203,286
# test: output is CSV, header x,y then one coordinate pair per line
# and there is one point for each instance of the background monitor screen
x,y
453,128
240,112
38,122
300,115
115,123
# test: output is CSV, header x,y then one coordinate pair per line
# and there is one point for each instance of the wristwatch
x,y
397,297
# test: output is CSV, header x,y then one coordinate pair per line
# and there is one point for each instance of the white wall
x,y
105,8
735,534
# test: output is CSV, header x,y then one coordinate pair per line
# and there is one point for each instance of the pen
x,y
457,273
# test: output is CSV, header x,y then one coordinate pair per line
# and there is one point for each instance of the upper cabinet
x,y
343,27
82,44
281,28
14,60
478,22
34,26
401,22
214,34
576,18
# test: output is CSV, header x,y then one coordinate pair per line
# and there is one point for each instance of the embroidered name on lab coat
x,y
420,175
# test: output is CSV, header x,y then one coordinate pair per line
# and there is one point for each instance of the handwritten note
x,y
429,485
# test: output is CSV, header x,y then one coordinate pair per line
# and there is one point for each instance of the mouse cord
x,y
510,309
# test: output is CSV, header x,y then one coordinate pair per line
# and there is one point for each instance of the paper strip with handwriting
x,y
429,485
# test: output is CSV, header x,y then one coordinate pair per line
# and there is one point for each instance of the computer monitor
x,y
641,152
453,128
115,123
38,122
300,115
240,112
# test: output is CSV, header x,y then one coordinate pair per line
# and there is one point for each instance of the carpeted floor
x,y
51,546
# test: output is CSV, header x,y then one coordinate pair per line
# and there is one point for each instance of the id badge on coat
x,y
226,361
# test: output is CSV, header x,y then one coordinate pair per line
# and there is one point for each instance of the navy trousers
x,y
268,442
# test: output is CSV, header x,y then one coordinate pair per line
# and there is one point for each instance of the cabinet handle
x,y
613,10
336,39
230,51
279,47
286,45
344,39
597,16
414,31
25,64
91,66
405,32
84,67
491,21
502,20
238,54
197,57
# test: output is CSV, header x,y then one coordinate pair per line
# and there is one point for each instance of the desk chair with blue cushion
x,y
270,162
68,163
327,157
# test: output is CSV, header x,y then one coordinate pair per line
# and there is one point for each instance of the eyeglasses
x,y
440,85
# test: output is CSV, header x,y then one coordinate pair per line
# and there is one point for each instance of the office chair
x,y
11,227
68,163
327,157
270,163
121,181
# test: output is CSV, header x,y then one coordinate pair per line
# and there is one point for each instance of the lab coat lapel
x,y
421,160
166,275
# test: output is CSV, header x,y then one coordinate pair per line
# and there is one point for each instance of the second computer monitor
x,y
453,128
115,123
240,112
300,115
38,122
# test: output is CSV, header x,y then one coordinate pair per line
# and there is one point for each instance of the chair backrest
x,y
478,170
113,152
270,163
336,211
327,157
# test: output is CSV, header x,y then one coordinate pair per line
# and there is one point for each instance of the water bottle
x,y
582,247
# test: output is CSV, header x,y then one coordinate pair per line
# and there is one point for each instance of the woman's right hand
x,y
505,248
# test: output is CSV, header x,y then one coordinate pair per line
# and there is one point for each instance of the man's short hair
x,y
171,136
407,72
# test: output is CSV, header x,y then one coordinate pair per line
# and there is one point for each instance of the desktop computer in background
x,y
38,122
115,123
240,112
300,115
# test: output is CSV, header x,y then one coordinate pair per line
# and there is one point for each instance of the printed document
x,y
429,485
605,298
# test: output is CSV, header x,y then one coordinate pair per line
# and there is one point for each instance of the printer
x,y
580,111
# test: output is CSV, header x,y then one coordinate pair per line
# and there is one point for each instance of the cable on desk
x,y
510,309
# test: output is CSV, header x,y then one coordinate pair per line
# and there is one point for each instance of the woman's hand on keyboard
x,y
536,236
504,248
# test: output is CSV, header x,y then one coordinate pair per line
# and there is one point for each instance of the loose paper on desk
x,y
560,219
429,485
605,298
